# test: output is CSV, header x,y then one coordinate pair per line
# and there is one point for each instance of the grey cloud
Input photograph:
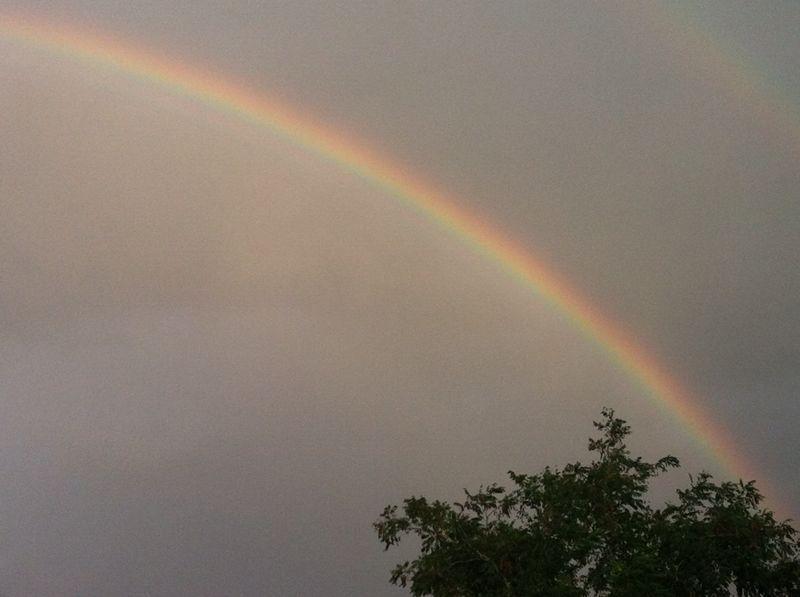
x,y
222,356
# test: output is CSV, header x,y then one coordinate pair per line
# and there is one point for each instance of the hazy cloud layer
x,y
222,356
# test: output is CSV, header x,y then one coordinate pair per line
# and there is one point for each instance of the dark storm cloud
x,y
222,356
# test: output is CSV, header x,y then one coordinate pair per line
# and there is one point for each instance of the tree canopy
x,y
590,530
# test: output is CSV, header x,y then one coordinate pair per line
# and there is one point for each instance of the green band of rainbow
x,y
257,108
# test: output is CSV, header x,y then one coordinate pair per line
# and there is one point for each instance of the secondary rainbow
x,y
258,108
724,64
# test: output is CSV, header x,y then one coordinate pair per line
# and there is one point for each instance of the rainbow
x,y
727,66
256,107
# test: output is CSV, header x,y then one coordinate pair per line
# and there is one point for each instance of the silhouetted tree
x,y
590,530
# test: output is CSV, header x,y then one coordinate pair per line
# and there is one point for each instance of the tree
x,y
590,530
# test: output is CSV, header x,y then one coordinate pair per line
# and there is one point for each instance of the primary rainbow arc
x,y
256,107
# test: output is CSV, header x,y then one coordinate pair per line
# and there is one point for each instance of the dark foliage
x,y
590,530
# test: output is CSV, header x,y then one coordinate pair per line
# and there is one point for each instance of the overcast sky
x,y
221,355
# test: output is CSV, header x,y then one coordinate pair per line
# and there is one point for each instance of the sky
x,y
222,354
